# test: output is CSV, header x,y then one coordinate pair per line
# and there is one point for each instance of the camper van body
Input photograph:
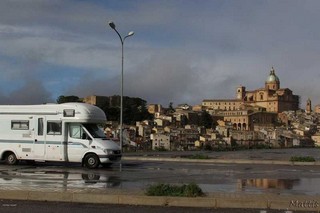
x,y
66,132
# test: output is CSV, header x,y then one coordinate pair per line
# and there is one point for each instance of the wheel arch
x,y
4,153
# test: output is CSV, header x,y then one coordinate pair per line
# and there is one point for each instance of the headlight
x,y
109,151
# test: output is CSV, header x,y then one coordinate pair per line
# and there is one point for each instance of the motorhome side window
x,y
54,128
76,131
40,126
20,125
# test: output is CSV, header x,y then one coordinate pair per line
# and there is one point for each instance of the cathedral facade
x,y
257,109
271,97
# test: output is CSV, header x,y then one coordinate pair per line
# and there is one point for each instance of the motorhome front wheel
x,y
91,161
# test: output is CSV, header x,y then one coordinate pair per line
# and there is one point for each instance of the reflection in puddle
x,y
308,186
57,179
268,183
61,178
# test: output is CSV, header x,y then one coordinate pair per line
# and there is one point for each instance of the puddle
x,y
306,186
63,179
58,179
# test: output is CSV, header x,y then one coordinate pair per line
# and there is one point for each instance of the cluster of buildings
x,y
268,116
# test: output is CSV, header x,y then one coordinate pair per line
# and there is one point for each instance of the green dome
x,y
272,77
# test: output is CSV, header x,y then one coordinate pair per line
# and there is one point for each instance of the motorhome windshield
x,y
94,130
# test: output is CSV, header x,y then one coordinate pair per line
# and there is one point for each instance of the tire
x,y
91,161
11,159
90,178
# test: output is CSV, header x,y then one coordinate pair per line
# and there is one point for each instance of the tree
x,y
134,109
170,108
64,99
206,119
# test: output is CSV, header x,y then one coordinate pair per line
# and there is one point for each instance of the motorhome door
x,y
39,138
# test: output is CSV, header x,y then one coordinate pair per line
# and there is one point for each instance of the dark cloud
x,y
32,92
182,52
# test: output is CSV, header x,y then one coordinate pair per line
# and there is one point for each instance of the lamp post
x,y
131,33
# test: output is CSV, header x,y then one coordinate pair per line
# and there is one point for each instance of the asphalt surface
x,y
251,154
15,206
249,160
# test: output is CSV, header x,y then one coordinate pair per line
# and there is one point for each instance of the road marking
x,y
9,205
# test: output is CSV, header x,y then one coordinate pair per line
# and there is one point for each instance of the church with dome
x,y
260,106
271,97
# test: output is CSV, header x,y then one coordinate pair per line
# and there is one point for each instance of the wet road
x,y
136,176
49,207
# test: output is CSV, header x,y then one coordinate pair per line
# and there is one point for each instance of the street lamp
x,y
131,33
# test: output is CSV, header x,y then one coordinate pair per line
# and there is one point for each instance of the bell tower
x,y
241,92
308,106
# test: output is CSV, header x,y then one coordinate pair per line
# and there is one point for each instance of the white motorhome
x,y
66,132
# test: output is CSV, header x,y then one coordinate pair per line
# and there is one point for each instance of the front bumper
x,y
110,158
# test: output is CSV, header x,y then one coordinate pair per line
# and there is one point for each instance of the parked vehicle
x,y
66,132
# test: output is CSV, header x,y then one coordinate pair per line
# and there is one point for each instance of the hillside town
x,y
268,117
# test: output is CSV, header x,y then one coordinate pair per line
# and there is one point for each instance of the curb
x,y
222,200
223,161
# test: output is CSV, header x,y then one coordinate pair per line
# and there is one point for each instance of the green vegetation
x,y
235,147
134,109
65,99
198,156
302,159
161,149
206,120
185,190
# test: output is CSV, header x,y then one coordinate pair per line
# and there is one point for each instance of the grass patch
x,y
160,149
185,190
198,156
302,159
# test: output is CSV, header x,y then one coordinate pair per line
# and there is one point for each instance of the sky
x,y
183,51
